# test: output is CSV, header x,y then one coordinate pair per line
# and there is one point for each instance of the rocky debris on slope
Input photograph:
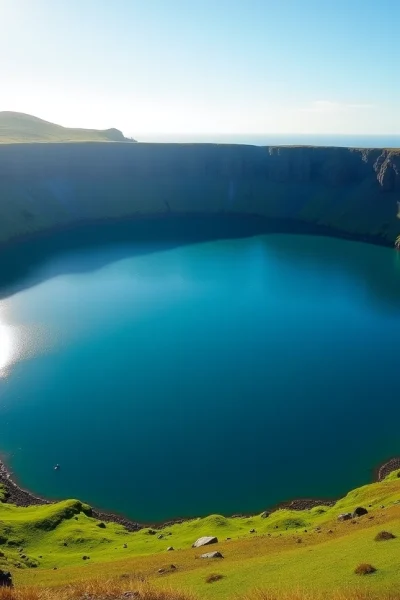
x,y
205,541
305,504
392,465
212,555
111,518
15,494
359,512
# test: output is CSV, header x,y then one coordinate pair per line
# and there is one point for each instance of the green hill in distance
x,y
21,128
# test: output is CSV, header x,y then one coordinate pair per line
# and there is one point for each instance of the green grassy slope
x,y
35,540
20,128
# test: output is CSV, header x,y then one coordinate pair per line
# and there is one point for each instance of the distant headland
x,y
21,128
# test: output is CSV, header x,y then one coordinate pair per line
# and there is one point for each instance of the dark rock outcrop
x,y
359,512
5,579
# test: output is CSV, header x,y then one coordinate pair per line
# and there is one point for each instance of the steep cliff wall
x,y
53,185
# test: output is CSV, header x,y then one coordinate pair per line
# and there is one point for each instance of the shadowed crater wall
x,y
50,186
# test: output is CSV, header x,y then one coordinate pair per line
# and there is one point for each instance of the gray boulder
x,y
212,555
205,541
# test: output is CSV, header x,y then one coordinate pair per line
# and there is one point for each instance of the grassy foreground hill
x,y
290,552
21,128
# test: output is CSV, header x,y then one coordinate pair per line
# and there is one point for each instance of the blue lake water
x,y
213,377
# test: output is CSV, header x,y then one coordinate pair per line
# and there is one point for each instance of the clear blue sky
x,y
241,66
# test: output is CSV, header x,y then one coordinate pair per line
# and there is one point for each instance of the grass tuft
x,y
214,577
364,569
383,536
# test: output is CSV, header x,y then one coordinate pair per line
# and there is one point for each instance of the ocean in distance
x,y
183,379
350,140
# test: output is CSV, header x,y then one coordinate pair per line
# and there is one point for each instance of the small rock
x,y
161,570
205,541
54,568
125,546
84,557
330,531
252,531
227,539
299,541
170,549
344,517
151,532
101,525
172,567
359,512
160,537
212,555
265,514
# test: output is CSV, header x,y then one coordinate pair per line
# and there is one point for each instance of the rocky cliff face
x,y
47,186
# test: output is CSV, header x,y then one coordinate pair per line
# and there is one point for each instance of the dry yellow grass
x,y
127,588
113,589
299,595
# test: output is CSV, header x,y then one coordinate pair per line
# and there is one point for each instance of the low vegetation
x,y
44,546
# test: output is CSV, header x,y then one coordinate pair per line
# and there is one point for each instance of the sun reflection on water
x,y
6,348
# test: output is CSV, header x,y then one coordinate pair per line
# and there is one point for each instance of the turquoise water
x,y
212,377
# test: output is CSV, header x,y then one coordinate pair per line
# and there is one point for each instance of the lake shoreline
x,y
271,225
21,497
